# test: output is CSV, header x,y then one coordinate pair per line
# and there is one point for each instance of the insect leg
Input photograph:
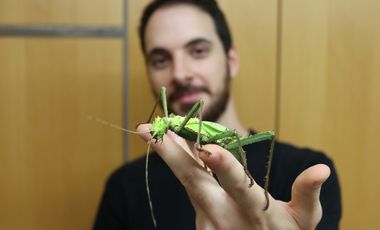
x,y
268,135
196,107
164,101
266,178
153,110
227,133
151,114
262,136
199,125
243,157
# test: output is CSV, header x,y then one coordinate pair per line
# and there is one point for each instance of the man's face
x,y
185,54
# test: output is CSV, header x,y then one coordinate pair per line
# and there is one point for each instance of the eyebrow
x,y
197,41
160,50
157,50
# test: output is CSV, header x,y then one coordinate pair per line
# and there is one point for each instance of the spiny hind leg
x,y
243,157
266,178
256,138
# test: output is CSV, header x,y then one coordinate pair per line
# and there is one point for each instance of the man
x,y
188,49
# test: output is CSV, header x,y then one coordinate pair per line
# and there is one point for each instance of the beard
x,y
218,102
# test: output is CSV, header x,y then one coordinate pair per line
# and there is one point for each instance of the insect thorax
x,y
161,125
190,131
159,128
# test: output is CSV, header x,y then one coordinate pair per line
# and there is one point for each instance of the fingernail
x,y
202,150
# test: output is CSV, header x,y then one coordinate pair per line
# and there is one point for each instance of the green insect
x,y
203,132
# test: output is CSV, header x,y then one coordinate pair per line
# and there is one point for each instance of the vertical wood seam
x,y
278,68
125,76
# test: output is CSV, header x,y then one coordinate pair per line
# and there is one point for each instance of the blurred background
x,y
310,70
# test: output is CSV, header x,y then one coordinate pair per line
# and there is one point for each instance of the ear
x,y
233,62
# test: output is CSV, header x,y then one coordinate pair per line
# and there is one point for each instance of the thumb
x,y
305,194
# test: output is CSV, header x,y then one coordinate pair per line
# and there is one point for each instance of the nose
x,y
181,68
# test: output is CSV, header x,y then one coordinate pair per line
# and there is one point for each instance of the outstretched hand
x,y
231,204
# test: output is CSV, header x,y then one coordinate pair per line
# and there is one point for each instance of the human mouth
x,y
187,94
190,97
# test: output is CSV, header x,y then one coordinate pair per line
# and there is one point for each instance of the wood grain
x,y
54,160
330,98
95,12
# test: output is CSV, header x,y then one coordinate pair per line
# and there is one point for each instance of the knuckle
x,y
240,189
188,180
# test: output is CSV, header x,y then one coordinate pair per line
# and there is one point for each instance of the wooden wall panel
x,y
330,98
254,29
98,12
140,98
54,160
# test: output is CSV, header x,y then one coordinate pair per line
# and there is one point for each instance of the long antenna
x,y
147,184
104,122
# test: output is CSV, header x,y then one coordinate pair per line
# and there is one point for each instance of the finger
x,y
173,154
305,193
233,178
190,173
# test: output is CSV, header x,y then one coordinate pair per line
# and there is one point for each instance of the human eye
x,y
159,61
200,50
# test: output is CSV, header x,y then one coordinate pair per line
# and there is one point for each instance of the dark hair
x,y
208,6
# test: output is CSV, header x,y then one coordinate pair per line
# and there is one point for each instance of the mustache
x,y
187,89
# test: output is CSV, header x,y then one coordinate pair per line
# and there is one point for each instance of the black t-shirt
x,y
125,206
